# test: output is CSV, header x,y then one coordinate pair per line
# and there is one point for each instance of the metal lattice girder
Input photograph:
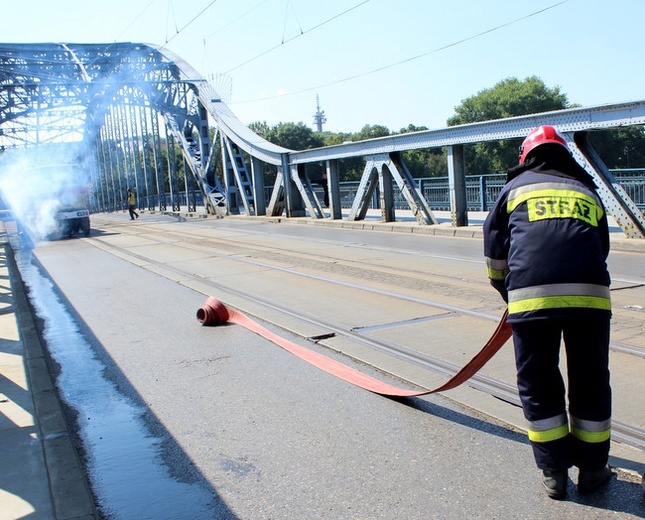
x,y
236,173
630,219
385,168
44,85
575,122
566,121
63,91
303,184
365,191
410,190
277,202
226,121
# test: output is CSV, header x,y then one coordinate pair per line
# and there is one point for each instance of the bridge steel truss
x,y
133,106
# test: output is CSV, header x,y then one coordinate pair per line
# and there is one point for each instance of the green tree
x,y
332,138
260,127
508,98
429,162
371,132
349,169
295,136
620,147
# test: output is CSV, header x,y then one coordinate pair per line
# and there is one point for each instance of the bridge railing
x,y
481,190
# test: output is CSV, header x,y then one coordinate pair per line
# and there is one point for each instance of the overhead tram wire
x,y
178,31
302,33
395,64
245,13
286,15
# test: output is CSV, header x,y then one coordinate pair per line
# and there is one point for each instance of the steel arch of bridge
x,y
130,104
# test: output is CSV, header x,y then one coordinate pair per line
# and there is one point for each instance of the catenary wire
x,y
395,64
302,33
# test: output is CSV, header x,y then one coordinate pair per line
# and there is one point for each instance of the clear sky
x,y
386,62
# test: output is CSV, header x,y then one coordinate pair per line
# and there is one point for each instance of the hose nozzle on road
x,y
213,312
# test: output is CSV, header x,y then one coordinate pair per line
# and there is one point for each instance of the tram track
x,y
416,279
622,433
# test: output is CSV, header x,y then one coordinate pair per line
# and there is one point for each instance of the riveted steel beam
x,y
65,91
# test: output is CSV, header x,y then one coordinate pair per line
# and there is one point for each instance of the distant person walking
x,y
132,205
546,243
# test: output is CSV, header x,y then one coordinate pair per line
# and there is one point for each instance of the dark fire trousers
x,y
581,438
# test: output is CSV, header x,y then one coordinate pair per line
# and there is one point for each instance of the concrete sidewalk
x,y
41,476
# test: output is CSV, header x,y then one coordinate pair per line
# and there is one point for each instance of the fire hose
x,y
214,312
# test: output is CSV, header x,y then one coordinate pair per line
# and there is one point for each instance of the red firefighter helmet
x,y
542,135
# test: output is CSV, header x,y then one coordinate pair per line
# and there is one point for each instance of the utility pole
x,y
319,116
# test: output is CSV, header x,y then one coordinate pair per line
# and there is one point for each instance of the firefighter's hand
x,y
500,287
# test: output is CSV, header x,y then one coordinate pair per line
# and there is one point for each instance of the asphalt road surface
x,y
178,420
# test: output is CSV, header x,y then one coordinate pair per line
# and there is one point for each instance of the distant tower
x,y
319,116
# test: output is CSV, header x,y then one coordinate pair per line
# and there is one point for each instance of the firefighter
x,y
132,205
546,243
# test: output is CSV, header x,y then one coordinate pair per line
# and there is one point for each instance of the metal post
x,y
333,188
388,213
258,187
457,185
482,193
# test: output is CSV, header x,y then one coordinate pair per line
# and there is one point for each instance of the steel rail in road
x,y
621,432
615,346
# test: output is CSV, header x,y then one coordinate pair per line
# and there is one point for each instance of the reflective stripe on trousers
x,y
554,428
551,429
591,431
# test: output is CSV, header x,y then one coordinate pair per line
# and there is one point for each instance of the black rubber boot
x,y
591,479
555,483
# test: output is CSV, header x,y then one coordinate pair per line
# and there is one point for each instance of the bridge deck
x,y
269,436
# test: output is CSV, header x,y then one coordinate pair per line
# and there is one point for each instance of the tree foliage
x,y
508,98
295,136
425,163
619,148
371,132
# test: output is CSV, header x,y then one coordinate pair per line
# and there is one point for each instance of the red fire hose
x,y
214,312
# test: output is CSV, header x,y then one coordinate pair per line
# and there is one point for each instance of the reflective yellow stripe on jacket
x,y
559,296
556,200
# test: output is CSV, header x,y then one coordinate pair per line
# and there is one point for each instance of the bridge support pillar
x,y
333,189
457,185
257,174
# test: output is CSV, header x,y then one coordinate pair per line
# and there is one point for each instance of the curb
x,y
618,241
69,489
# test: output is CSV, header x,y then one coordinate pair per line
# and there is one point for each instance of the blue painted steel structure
x,y
128,107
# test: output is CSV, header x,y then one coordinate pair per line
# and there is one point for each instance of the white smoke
x,y
31,183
